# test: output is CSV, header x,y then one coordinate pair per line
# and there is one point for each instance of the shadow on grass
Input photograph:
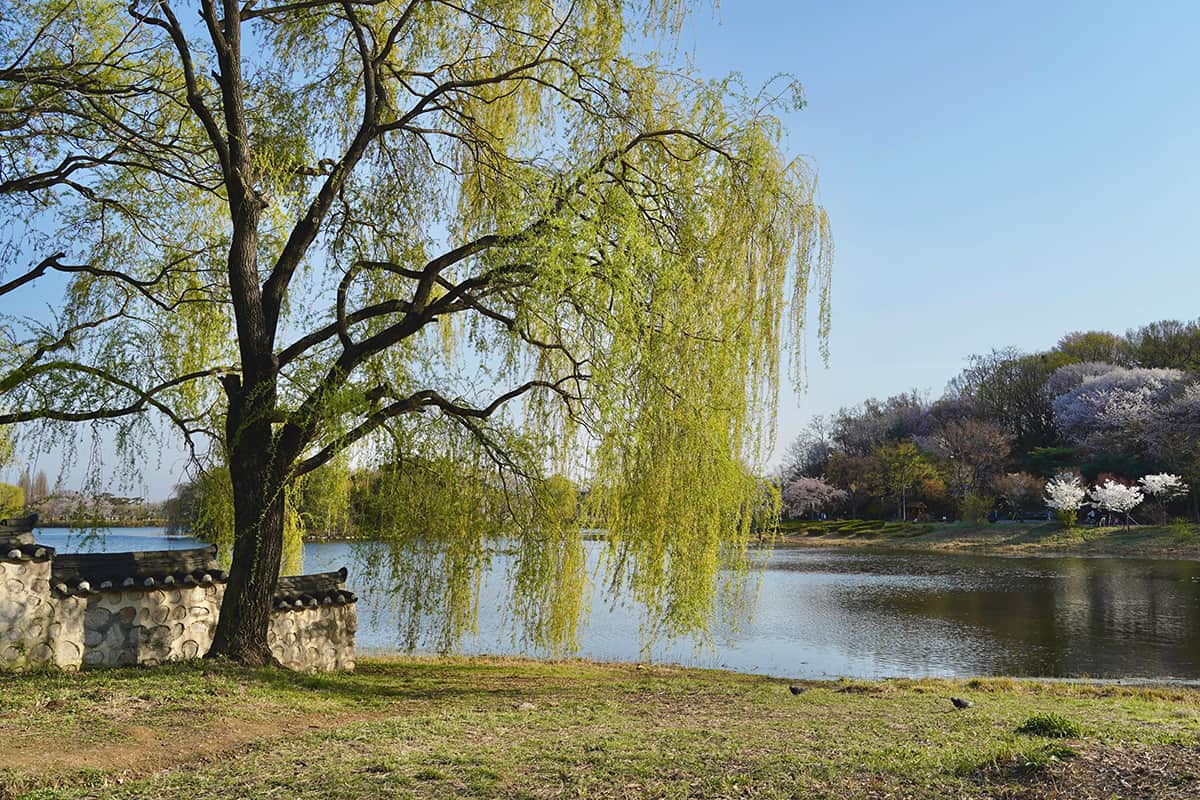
x,y
376,684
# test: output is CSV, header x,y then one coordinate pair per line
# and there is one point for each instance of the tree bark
x,y
254,470
258,503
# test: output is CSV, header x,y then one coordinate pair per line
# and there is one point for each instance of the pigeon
x,y
797,689
960,704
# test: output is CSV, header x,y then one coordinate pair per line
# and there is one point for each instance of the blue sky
x,y
995,174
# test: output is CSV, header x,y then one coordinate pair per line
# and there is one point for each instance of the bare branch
x,y
420,401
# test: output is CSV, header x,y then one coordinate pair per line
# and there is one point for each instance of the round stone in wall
x,y
160,636
97,618
114,637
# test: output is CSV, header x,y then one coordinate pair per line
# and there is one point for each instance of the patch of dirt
x,y
146,750
1104,772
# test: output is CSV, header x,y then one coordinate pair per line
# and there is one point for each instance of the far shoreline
x,y
1013,539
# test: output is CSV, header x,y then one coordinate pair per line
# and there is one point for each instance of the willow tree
x,y
485,241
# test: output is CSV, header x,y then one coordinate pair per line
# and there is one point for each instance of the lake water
x,y
830,613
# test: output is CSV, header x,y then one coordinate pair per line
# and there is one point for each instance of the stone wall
x,y
149,627
319,639
27,615
125,609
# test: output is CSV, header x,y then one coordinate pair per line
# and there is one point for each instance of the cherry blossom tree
x,y
1112,410
1117,498
1069,377
1065,494
1163,488
804,495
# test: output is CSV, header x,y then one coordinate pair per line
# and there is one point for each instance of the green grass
x,y
1053,726
441,728
1177,540
854,527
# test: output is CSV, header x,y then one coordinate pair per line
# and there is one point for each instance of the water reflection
x,y
823,613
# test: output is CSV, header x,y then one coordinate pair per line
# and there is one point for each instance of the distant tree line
x,y
65,508
391,502
1103,406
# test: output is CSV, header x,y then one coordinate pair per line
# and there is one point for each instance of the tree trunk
x,y
258,481
258,504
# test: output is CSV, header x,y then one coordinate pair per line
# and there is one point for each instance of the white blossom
x,y
1065,492
1118,403
808,494
1164,485
1113,496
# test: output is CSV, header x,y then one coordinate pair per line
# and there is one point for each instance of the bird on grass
x,y
960,704
797,689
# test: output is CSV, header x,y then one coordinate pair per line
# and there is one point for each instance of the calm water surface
x,y
827,613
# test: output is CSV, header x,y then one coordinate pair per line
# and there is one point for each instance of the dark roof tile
x,y
11,551
140,569
295,592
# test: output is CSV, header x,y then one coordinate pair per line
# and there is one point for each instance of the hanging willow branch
x,y
465,247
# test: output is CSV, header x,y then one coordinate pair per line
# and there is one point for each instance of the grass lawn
x,y
1014,538
432,728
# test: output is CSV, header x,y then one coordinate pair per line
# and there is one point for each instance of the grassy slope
x,y
508,728
1172,541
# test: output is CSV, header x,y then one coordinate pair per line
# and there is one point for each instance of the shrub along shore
x,y
1180,540
424,727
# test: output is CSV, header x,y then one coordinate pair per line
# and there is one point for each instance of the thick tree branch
x,y
426,399
305,230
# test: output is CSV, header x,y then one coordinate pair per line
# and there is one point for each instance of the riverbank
x,y
416,727
100,524
1001,538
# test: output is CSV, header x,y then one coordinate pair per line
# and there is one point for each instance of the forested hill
x,y
1102,405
